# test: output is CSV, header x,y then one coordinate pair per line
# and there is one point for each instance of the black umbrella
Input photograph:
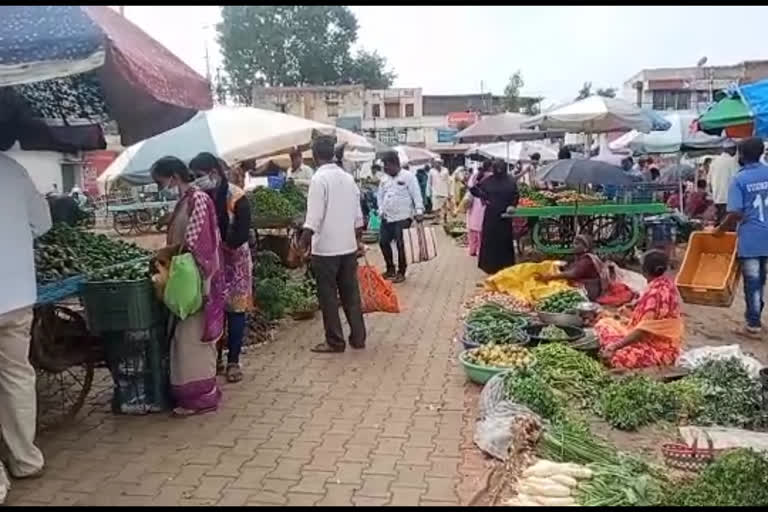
x,y
676,172
583,172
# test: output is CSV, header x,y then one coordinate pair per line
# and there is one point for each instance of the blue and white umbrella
x,y
234,134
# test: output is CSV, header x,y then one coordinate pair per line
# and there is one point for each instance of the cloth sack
x,y
183,294
376,293
420,244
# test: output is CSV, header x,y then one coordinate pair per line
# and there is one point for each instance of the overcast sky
x,y
450,50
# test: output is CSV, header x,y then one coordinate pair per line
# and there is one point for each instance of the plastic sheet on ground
x,y
725,438
496,415
520,281
692,359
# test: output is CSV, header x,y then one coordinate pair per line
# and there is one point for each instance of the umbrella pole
x,y
680,182
507,157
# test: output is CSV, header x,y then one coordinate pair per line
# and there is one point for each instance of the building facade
x,y
340,105
690,88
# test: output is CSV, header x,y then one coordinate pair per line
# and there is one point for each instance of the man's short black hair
x,y
390,157
701,184
564,154
375,167
323,147
751,150
535,157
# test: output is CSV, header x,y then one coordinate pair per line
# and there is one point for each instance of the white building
x,y
338,105
689,88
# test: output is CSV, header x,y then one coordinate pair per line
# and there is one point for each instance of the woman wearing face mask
x,y
234,220
193,229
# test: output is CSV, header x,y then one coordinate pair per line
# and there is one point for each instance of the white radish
x,y
556,502
565,480
552,490
525,500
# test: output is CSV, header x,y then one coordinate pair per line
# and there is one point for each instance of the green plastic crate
x,y
121,305
139,362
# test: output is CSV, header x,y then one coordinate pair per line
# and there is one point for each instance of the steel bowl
x,y
568,319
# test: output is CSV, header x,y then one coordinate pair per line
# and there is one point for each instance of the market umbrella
x,y
595,114
234,134
82,66
583,172
514,152
679,137
411,155
501,127
729,112
677,172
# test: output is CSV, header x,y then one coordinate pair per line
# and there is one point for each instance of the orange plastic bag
x,y
376,293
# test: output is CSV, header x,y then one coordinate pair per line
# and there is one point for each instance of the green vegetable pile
x,y
130,272
569,440
267,202
632,402
65,251
528,192
553,333
731,398
560,302
526,387
277,292
737,478
569,371
491,323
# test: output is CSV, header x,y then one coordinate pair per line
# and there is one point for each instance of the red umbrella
x,y
144,87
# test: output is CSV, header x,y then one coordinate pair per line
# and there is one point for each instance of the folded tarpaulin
x,y
756,97
145,88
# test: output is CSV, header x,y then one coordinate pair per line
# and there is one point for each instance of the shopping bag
x,y
376,293
183,293
420,244
374,221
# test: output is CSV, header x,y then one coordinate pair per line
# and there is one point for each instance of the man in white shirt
x,y
333,226
440,188
721,172
399,200
25,216
299,172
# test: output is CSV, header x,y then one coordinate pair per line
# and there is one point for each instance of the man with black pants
x,y
399,200
333,226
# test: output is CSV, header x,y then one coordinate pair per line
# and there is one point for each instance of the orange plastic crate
x,y
710,270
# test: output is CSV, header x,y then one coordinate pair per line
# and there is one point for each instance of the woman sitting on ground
x,y
586,270
653,334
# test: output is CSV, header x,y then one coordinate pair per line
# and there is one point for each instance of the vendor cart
x,y
141,217
616,228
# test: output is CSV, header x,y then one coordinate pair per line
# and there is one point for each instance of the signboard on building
x,y
391,136
446,136
461,119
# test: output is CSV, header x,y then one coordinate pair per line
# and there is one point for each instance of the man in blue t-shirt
x,y
748,205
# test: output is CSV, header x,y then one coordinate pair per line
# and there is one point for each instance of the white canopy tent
x,y
234,134
515,151
679,137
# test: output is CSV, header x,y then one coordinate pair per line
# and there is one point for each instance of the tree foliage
x,y
586,91
512,92
608,92
294,45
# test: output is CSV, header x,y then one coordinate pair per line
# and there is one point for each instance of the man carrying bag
x,y
399,200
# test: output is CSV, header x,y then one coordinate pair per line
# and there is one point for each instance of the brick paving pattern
x,y
383,426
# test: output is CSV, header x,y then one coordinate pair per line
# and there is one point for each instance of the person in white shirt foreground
x,y
721,172
299,172
399,201
333,227
25,216
440,187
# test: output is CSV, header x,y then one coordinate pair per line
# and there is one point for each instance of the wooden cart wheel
x,y
63,353
60,396
123,223
144,221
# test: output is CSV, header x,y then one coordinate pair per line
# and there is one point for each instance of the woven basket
x,y
693,458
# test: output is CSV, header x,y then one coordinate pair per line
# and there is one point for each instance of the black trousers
x,y
336,278
393,232
720,211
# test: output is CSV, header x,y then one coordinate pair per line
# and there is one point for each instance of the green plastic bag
x,y
184,290
374,221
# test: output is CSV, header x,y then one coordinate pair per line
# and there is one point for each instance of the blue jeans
x,y
754,272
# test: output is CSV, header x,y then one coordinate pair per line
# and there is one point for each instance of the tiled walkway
x,y
379,426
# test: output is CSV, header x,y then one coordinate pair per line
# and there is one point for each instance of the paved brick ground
x,y
380,426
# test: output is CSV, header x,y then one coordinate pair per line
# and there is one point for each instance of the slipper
x,y
324,348
234,374
180,412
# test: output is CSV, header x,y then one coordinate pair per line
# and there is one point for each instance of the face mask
x,y
206,182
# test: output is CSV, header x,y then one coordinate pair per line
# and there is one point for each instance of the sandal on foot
x,y
754,333
234,374
324,348
181,412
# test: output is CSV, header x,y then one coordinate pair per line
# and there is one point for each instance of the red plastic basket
x,y
689,458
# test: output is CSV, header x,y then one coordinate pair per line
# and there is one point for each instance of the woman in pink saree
x,y
194,229
476,211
